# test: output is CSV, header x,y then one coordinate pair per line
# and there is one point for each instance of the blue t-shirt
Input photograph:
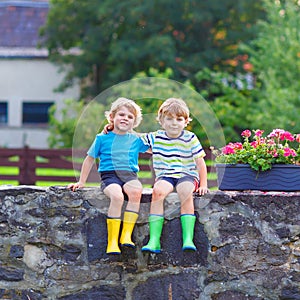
x,y
117,151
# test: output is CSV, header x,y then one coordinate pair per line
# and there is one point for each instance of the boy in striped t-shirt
x,y
178,162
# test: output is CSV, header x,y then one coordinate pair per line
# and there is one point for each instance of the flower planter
x,y
241,177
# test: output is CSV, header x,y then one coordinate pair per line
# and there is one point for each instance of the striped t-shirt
x,y
174,157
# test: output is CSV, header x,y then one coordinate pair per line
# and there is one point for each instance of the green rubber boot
x,y
188,225
156,223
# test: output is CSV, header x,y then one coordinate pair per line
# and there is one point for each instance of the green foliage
x,y
275,56
117,39
90,122
272,100
150,92
72,124
231,103
61,130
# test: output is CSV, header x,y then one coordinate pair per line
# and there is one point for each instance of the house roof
x,y
20,22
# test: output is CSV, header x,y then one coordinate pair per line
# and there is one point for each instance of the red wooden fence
x,y
28,160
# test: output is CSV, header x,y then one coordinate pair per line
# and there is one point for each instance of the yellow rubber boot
x,y
113,230
129,221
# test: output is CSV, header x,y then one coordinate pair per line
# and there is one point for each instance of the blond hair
x,y
130,105
173,107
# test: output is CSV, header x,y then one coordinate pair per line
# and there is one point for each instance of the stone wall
x,y
52,246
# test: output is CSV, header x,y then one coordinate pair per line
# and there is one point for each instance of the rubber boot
x,y
113,229
129,221
188,225
156,223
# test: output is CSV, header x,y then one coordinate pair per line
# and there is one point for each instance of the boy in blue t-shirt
x,y
118,153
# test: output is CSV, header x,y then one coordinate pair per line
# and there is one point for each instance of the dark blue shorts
x,y
176,181
117,177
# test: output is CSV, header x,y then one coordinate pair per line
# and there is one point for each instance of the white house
x,y
27,78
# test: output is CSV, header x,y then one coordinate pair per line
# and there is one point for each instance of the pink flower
x,y
262,152
238,146
254,144
289,152
287,136
246,133
276,133
271,143
259,132
273,152
228,149
231,148
282,135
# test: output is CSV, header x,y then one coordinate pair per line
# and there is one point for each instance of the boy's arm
x,y
85,171
202,170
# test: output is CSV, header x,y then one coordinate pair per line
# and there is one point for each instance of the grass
x,y
52,172
64,172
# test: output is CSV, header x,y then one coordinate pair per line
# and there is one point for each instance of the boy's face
x,y
123,120
173,125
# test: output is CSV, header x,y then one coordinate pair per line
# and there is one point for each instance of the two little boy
x,y
178,162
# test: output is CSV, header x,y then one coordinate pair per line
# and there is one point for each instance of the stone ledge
x,y
52,245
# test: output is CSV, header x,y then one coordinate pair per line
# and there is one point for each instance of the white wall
x,y
28,80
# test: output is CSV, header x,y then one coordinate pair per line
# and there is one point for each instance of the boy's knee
x,y
158,193
117,199
134,194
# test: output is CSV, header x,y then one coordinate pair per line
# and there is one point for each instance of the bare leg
x,y
160,191
134,190
185,193
114,192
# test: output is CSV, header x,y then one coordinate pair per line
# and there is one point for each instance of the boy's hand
x,y
107,128
74,186
202,190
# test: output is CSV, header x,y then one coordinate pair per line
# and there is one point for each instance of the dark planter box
x,y
242,177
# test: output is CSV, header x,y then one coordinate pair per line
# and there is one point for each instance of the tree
x,y
117,39
270,99
275,56
230,96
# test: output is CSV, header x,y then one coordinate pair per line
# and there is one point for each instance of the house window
x,y
3,112
36,112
